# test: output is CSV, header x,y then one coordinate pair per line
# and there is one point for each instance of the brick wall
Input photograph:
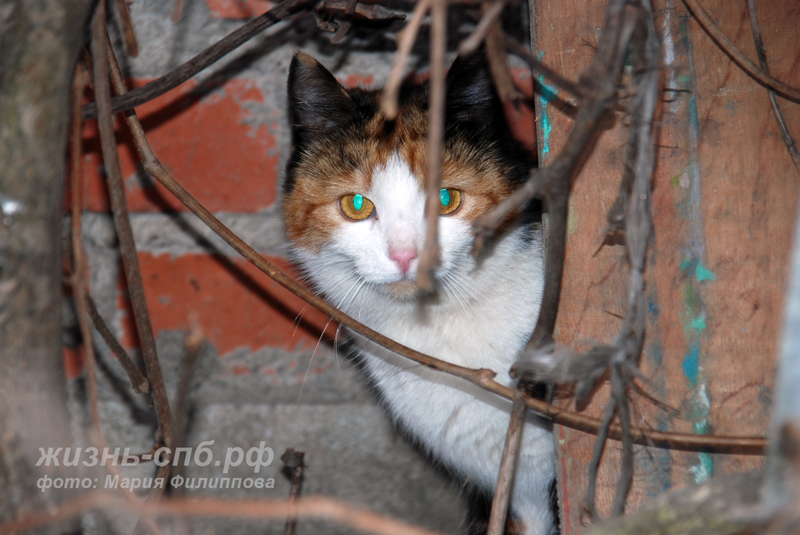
x,y
270,370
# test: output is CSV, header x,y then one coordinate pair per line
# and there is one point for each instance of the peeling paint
x,y
704,274
704,469
691,364
547,94
699,323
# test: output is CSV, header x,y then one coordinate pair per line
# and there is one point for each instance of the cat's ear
x,y
471,96
317,102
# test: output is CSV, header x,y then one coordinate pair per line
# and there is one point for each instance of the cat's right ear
x,y
317,102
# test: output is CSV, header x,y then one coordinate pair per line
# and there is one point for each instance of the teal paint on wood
x,y
547,94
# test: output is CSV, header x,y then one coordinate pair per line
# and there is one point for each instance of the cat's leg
x,y
533,497
533,516
528,520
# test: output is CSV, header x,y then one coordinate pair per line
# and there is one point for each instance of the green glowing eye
x,y
451,199
356,206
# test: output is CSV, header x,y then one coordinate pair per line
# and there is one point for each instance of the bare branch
x,y
293,461
312,507
194,342
762,60
601,79
726,45
127,28
78,279
139,382
631,211
202,60
471,43
618,385
122,221
406,42
508,466
517,48
429,259
498,63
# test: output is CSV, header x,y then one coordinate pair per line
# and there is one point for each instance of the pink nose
x,y
403,259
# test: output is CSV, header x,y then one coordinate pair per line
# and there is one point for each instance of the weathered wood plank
x,y
725,194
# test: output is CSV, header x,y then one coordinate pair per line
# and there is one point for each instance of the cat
x,y
353,200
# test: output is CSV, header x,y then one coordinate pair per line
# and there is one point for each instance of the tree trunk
x,y
40,41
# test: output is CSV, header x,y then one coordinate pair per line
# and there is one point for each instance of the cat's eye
x,y
450,199
356,206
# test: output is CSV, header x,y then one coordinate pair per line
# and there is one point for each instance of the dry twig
x,y
293,461
516,48
429,259
202,60
762,60
624,24
127,28
78,278
738,57
490,16
100,49
406,42
311,507
193,344
498,62
139,382
508,466
599,100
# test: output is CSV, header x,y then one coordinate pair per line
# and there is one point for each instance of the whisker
x,y
363,281
296,322
465,286
339,306
452,285
336,349
310,361
362,300
453,291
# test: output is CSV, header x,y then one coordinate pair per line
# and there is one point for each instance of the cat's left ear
x,y
317,102
471,95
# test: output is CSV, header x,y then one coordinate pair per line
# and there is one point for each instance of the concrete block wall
x,y
270,370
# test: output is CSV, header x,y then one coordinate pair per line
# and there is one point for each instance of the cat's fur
x,y
483,310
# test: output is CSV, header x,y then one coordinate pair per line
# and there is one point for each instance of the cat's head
x,y
354,193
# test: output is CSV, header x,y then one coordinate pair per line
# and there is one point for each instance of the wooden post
x,y
724,202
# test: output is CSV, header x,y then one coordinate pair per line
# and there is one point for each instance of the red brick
x,y
73,362
358,80
234,304
238,9
204,141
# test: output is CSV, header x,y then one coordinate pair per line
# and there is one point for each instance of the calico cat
x,y
354,212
